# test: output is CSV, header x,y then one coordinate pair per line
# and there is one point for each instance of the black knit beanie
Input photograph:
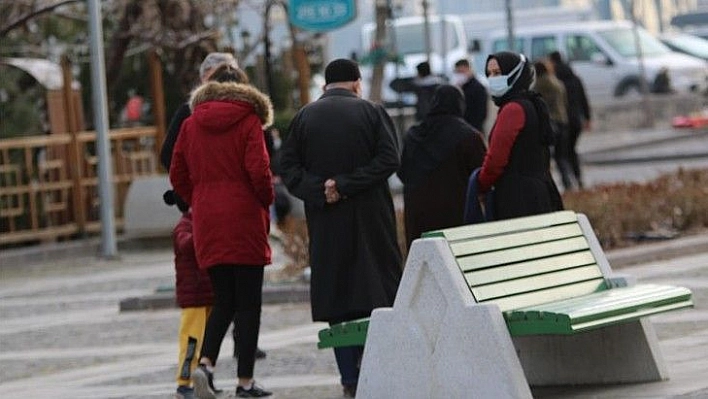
x,y
342,70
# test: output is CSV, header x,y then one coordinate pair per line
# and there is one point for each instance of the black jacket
x,y
354,254
477,99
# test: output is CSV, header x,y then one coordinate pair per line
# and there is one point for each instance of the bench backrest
x,y
525,261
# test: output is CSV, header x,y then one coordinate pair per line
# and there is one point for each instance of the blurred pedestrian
x,y
553,92
134,109
579,113
337,157
517,163
439,155
423,85
221,168
476,96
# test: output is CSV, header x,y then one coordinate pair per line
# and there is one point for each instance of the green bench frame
x,y
547,274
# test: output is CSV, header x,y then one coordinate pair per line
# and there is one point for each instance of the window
x,y
581,48
542,46
410,38
503,45
623,41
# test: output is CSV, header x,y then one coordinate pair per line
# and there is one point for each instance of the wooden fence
x,y
49,184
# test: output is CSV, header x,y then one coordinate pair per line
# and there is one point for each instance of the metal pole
x,y
266,47
98,89
510,26
426,27
643,85
393,48
443,39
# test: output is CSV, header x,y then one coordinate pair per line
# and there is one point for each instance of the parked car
x,y
687,44
604,54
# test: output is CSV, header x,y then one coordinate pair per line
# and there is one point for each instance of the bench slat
x,y
649,298
537,284
530,268
494,228
526,253
604,299
349,333
530,237
554,294
632,316
561,324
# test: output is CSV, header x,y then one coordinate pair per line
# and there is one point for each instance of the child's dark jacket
x,y
193,287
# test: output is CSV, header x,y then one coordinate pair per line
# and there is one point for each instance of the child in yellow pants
x,y
195,297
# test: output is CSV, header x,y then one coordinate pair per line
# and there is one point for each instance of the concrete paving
x,y
62,333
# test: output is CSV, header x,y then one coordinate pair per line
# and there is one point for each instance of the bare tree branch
x,y
27,17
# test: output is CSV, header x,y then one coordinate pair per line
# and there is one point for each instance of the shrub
x,y
624,213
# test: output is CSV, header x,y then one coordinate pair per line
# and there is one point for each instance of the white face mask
x,y
499,85
459,79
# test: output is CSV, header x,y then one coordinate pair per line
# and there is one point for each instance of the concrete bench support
x,y
620,353
436,341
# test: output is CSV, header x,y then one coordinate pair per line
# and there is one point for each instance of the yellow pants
x,y
191,333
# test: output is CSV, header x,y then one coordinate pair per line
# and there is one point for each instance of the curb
x,y
661,250
666,135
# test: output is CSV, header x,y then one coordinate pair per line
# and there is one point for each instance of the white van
x,y
448,44
604,55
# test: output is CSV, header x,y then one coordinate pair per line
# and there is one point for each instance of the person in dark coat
x,y
220,167
476,96
517,163
423,85
337,157
439,155
579,112
552,90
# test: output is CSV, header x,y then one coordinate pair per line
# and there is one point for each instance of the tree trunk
x,y
379,42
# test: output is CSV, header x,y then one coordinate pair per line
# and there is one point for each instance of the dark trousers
x,y
573,136
237,288
349,362
561,154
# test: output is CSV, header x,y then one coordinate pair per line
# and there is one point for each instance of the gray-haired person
x,y
210,63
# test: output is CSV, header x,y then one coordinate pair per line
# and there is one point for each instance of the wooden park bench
x,y
552,288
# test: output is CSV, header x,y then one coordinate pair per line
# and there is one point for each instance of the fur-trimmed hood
x,y
235,93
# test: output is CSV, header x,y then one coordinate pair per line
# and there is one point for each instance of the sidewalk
x,y
63,333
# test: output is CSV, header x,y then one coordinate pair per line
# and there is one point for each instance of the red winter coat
x,y
221,168
193,284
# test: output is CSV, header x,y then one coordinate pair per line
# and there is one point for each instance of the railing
x,y
49,184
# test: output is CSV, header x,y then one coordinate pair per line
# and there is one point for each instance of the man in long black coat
x,y
338,155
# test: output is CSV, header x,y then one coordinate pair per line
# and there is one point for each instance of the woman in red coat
x,y
220,167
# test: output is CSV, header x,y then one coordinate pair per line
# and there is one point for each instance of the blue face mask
x,y
500,85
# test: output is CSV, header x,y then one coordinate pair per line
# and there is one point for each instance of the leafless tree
x,y
175,28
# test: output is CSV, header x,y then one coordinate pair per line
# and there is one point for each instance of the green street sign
x,y
321,15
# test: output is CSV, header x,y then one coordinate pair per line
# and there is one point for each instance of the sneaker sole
x,y
201,385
